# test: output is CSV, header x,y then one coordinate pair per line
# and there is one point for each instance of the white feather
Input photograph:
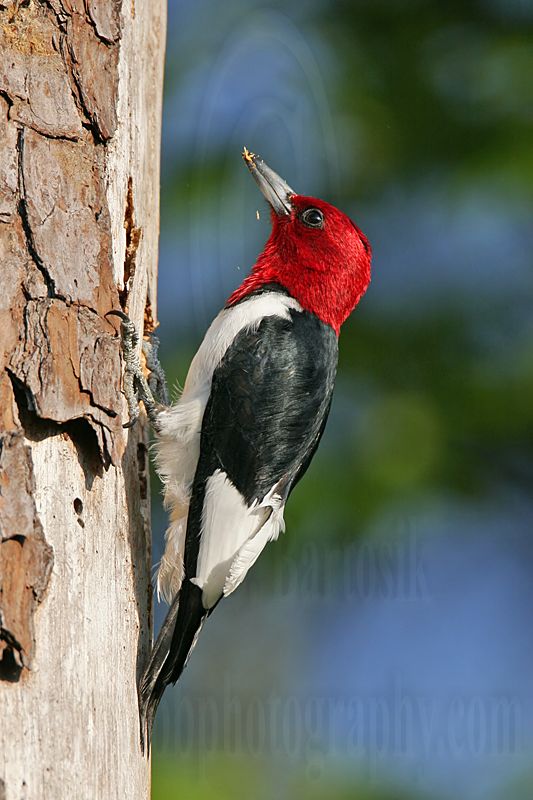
x,y
253,547
178,445
233,535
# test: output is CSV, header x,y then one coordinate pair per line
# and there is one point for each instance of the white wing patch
x,y
233,536
252,549
178,444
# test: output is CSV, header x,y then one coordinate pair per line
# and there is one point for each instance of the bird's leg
x,y
156,379
135,385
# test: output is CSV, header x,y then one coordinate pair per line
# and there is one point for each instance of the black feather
x,y
269,401
171,651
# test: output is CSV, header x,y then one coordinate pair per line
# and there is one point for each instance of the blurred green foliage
x,y
419,89
432,399
426,85
227,778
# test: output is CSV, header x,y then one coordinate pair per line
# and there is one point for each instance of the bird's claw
x,y
135,385
156,378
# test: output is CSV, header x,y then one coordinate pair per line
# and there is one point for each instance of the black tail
x,y
174,644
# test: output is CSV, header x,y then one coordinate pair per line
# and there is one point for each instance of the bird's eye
x,y
313,218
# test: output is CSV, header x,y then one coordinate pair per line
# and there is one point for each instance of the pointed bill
x,y
274,189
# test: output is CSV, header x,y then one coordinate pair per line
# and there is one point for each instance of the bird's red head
x,y
315,251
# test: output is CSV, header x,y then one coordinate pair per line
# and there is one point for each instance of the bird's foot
x,y
135,386
156,379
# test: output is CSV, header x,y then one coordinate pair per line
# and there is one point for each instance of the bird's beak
x,y
274,189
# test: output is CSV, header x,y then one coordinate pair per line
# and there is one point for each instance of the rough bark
x,y
80,106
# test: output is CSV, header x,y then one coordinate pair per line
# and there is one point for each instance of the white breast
x,y
178,443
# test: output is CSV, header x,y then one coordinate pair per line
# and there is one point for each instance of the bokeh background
x,y
382,649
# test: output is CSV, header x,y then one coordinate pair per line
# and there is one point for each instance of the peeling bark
x,y
25,558
133,237
32,73
78,237
90,61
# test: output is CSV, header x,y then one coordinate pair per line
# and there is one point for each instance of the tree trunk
x,y
80,108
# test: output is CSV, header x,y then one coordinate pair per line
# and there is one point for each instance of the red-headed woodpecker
x,y
251,414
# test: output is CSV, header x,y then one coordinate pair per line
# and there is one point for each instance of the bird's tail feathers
x,y
170,654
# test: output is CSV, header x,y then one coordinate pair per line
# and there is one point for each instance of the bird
x,y
251,414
